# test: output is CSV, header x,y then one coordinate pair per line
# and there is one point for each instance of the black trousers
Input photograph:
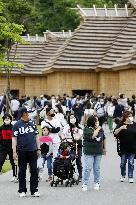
x,y
3,154
79,163
29,157
101,120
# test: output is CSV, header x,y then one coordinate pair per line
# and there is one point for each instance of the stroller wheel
x,y
71,183
77,182
52,184
66,183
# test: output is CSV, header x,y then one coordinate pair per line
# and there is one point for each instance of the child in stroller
x,y
64,165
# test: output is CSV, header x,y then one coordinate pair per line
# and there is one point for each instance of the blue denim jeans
x,y
91,161
49,163
130,158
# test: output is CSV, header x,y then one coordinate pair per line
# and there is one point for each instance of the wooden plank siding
x,y
16,83
127,82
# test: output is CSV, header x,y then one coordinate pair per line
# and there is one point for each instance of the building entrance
x,y
82,92
14,93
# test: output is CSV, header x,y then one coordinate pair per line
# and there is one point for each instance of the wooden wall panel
x,y
127,82
65,82
53,83
35,86
109,83
16,83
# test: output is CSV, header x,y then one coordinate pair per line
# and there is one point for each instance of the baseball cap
x,y
23,110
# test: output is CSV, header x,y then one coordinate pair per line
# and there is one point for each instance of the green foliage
x,y
6,167
57,15
10,33
21,12
37,16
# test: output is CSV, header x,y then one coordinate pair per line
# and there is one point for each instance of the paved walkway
x,y
112,191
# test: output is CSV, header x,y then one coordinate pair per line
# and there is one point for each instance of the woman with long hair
x,y
125,133
94,146
73,133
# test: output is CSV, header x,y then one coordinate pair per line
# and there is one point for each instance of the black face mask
x,y
52,115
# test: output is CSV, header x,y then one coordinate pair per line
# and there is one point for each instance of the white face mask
x,y
97,124
131,119
56,110
101,102
7,122
73,121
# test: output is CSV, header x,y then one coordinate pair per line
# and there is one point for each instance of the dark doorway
x,y
14,93
82,92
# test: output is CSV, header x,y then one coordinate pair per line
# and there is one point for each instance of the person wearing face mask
x,y
26,148
94,146
6,144
125,133
59,115
99,110
54,128
73,133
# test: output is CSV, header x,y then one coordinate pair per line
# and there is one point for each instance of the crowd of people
x,y
75,119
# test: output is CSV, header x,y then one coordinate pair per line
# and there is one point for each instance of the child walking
x,y
6,144
47,151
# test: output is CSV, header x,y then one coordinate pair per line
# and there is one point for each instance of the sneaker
x,y
122,179
84,187
40,178
36,194
79,179
14,179
131,180
49,179
23,194
97,187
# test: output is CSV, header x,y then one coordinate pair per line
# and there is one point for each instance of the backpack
x,y
100,110
110,111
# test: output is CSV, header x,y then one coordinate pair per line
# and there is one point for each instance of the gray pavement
x,y
112,191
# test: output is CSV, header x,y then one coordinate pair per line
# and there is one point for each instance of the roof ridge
x,y
133,3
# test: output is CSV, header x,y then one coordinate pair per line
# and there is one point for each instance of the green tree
x,y
57,15
10,33
22,12
37,16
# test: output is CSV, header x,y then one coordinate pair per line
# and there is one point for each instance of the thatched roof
x,y
105,40
35,55
99,43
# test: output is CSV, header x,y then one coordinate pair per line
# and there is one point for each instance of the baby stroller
x,y
64,165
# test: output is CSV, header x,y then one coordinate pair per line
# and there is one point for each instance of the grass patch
x,y
6,167
39,130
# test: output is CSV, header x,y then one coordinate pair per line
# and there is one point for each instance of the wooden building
x,y
100,56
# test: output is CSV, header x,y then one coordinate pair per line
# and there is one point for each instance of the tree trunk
x,y
8,91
